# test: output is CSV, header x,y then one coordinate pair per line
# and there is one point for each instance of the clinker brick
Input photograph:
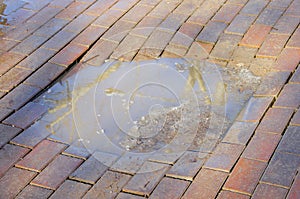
x,y
255,35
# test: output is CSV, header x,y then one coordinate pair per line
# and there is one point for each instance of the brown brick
x,y
146,179
108,18
211,32
14,181
294,191
99,7
80,23
255,35
173,22
240,133
286,25
272,46
56,172
163,9
206,184
12,78
29,45
296,119
72,10
296,76
269,16
41,155
7,133
262,66
119,30
272,83
224,157
230,195
227,13
108,186
290,141
275,120
45,75
59,40
128,163
174,51
19,96
255,109
7,44
289,96
138,12
225,46
254,7
9,60
187,166
44,15
294,40
281,169
71,189
9,155
293,9
244,55
288,60
265,142
125,5
94,57
77,152
37,58
89,35
34,192
51,27
169,188
60,3
204,13
191,30
128,196
19,16
240,24
245,176
68,55
26,115
268,192
22,32
94,167
279,3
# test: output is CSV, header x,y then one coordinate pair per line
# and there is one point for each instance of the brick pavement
x,y
42,40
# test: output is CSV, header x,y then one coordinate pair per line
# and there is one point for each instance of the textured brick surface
x,y
294,191
128,164
227,13
288,59
290,141
289,96
7,133
296,76
8,60
56,172
34,192
26,115
41,155
245,176
240,133
206,184
255,35
272,46
211,32
286,25
108,186
71,189
12,78
296,119
14,181
240,24
230,195
269,192
170,188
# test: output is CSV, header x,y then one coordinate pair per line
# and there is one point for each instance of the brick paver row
x,y
48,37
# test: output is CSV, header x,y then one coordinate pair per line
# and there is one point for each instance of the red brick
x,y
146,179
255,35
56,172
123,195
204,13
272,83
296,119
269,192
12,78
118,31
22,32
211,32
289,96
124,4
72,10
9,60
240,133
245,176
255,109
275,120
99,7
19,96
7,44
138,12
14,181
89,35
108,186
230,195
294,40
9,155
80,23
26,115
145,27
7,133
34,192
71,189
163,9
206,184
190,30
272,46
188,7
59,40
294,192
227,13
265,142
51,27
187,166
296,76
60,3
108,18
29,45
286,25
169,188
224,157
44,15
68,55
41,155
288,60
293,9
45,75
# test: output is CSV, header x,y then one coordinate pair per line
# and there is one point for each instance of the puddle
x,y
149,108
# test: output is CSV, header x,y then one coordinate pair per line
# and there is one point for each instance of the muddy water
x,y
163,106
